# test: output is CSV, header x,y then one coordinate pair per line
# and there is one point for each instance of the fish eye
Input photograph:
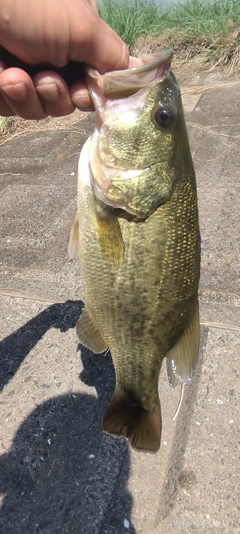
x,y
163,116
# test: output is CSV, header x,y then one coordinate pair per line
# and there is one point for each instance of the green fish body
x,y
139,248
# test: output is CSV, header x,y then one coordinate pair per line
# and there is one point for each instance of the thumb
x,y
100,47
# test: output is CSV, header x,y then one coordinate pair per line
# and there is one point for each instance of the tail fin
x,y
141,427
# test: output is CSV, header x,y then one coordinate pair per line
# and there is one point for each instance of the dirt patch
x,y
195,54
17,125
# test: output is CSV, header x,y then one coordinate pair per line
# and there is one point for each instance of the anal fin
x,y
89,335
183,357
131,420
73,240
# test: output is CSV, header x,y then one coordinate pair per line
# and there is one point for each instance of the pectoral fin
x,y
109,233
73,240
182,358
89,335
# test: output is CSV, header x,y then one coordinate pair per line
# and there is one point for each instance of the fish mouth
x,y
121,83
123,94
142,73
107,181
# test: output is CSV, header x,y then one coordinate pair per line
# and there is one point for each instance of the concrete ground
x,y
59,474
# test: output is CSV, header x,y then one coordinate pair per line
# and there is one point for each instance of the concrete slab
x,y
42,148
214,135
42,239
195,487
58,459
32,152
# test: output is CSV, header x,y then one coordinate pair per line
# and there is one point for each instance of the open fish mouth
x,y
121,83
120,99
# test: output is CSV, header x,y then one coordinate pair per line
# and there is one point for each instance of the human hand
x,y
53,33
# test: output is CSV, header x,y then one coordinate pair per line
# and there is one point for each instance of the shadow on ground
x,y
14,348
62,475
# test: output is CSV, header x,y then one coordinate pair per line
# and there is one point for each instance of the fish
x,y
137,234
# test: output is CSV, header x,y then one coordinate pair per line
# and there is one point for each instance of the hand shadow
x,y
17,345
62,474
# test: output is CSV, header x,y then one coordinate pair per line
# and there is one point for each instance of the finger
x,y
53,93
94,6
119,56
81,97
5,110
18,92
98,46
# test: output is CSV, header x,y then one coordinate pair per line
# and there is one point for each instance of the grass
x,y
130,19
210,29
5,123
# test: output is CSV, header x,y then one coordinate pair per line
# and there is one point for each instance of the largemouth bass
x,y
138,237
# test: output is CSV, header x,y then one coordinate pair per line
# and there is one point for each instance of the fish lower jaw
x,y
109,187
103,175
101,195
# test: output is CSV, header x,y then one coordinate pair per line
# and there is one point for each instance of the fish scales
x,y
141,302
142,305
147,299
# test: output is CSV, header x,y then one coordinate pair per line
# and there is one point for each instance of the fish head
x,y
137,148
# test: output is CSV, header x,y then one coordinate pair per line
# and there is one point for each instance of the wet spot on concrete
x,y
187,479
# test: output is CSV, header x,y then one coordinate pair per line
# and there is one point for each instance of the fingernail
x,y
49,92
17,91
82,100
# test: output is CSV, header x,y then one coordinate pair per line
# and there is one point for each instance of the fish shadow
x,y
62,475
